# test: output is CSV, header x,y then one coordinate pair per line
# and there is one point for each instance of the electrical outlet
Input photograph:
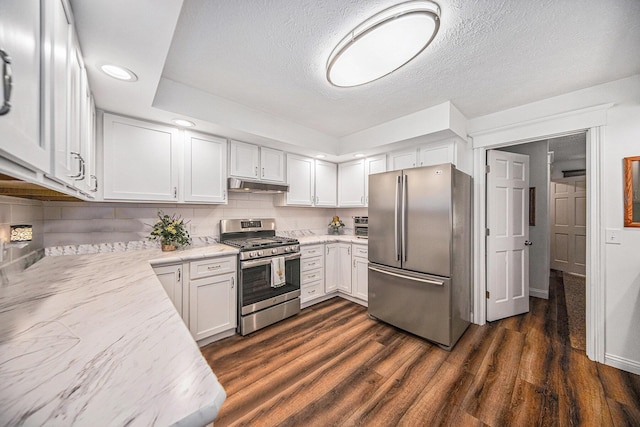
x,y
612,236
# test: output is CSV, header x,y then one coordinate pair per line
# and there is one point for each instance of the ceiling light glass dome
x,y
383,43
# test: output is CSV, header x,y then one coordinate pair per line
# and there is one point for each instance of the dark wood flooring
x,y
333,366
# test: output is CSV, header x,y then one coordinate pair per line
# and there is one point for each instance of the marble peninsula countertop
x,y
94,340
331,238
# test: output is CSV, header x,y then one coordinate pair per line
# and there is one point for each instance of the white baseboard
x,y
352,299
622,363
315,301
539,293
216,337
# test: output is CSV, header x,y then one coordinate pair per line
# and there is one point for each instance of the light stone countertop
x,y
95,340
331,238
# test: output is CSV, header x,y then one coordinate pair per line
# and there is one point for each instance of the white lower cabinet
x,y
212,305
338,267
212,297
359,274
204,294
171,278
311,273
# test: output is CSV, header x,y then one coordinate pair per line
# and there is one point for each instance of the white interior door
x,y
508,239
569,225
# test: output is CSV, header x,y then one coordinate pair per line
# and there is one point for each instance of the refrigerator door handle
x,y
402,276
395,217
404,216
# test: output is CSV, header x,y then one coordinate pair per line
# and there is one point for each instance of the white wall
x,y
621,138
538,234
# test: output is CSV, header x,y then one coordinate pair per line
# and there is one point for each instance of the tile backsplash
x,y
80,223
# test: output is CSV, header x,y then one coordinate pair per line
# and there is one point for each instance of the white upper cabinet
x,y
20,124
436,154
300,174
351,187
402,160
254,162
353,180
140,160
377,164
326,183
205,171
244,160
59,28
271,165
311,182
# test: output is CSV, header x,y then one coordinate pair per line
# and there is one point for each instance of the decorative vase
x,y
335,230
168,247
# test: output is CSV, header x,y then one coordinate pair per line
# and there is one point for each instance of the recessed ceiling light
x,y
383,43
182,122
118,72
358,155
320,156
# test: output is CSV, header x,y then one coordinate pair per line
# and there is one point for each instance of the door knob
x,y
528,243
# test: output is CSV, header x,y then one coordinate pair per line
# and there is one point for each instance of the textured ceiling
x,y
488,56
255,69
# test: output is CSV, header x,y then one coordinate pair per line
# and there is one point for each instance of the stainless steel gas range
x,y
263,300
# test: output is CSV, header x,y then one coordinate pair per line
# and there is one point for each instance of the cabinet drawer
x,y
311,263
211,267
311,276
361,251
314,250
310,292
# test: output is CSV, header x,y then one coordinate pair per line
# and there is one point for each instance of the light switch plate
x,y
612,236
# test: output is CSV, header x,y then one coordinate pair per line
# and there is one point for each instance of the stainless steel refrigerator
x,y
420,251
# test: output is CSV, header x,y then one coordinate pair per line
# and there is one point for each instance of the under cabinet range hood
x,y
245,186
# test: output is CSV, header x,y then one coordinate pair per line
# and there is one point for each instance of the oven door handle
x,y
264,261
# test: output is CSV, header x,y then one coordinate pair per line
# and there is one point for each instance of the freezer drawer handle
x,y
416,279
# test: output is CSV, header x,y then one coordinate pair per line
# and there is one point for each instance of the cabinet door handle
x,y
233,282
327,250
175,192
179,274
224,194
263,172
83,168
7,82
354,263
256,171
94,180
79,159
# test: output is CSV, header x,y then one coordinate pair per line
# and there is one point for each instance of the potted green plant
x,y
171,231
335,225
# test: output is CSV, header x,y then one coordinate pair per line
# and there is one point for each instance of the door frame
x,y
593,121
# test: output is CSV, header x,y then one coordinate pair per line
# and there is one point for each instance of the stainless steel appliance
x,y
260,302
361,226
420,251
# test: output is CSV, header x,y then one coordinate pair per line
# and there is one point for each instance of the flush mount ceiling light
x,y
358,155
182,122
118,72
383,43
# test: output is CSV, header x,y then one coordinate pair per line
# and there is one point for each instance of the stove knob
x,y
274,251
287,249
260,253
